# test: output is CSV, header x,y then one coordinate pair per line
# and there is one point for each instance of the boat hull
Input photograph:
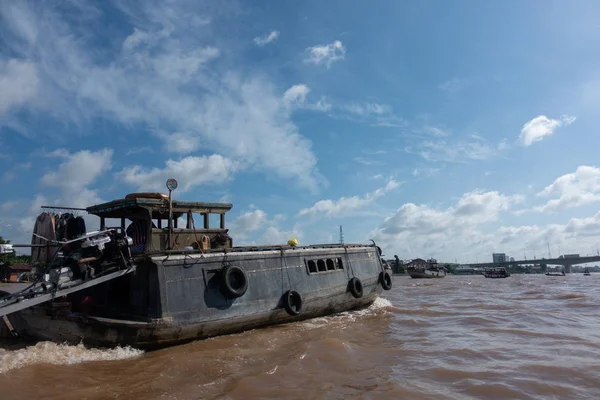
x,y
423,275
183,299
101,332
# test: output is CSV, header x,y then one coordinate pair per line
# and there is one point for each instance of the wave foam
x,y
61,354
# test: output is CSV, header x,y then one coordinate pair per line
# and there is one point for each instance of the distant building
x,y
498,258
10,273
512,259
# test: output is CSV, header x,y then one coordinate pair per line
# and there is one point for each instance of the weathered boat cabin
x,y
145,217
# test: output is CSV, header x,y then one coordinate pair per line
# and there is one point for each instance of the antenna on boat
x,y
341,236
171,185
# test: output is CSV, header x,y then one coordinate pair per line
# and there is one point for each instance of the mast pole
x,y
171,185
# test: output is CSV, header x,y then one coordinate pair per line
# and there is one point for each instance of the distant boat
x,y
421,269
586,272
561,273
495,273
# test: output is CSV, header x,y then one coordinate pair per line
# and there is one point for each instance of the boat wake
x,y
60,354
379,306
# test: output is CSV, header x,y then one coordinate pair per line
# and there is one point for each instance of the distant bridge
x,y
566,262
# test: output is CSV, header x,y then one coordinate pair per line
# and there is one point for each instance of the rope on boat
x,y
349,262
283,262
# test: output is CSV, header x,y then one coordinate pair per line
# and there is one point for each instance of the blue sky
x,y
438,131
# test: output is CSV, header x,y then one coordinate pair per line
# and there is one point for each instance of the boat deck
x,y
278,247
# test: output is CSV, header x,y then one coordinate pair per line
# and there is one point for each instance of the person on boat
x,y
138,232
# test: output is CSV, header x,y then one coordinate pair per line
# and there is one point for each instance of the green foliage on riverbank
x,y
13,258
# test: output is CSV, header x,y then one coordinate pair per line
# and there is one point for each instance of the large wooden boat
x,y
421,269
496,273
165,284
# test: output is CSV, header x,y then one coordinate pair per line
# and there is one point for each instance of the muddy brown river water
x,y
461,337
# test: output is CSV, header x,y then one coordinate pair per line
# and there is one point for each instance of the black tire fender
x,y
386,280
234,282
356,288
292,302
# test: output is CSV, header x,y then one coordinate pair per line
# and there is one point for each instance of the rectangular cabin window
x,y
215,221
201,221
330,265
321,265
192,220
113,222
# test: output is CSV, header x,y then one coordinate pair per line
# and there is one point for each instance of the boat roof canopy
x,y
157,204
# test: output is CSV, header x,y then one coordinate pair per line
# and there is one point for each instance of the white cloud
x,y
255,227
274,235
572,190
182,67
368,109
138,150
189,172
226,198
271,37
18,83
425,171
182,143
459,151
71,183
79,169
166,77
13,172
540,127
249,221
72,179
503,145
366,161
8,206
320,105
326,54
345,205
296,95
424,231
484,205
436,131
375,114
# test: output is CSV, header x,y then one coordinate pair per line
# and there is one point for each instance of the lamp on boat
x,y
293,242
171,185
